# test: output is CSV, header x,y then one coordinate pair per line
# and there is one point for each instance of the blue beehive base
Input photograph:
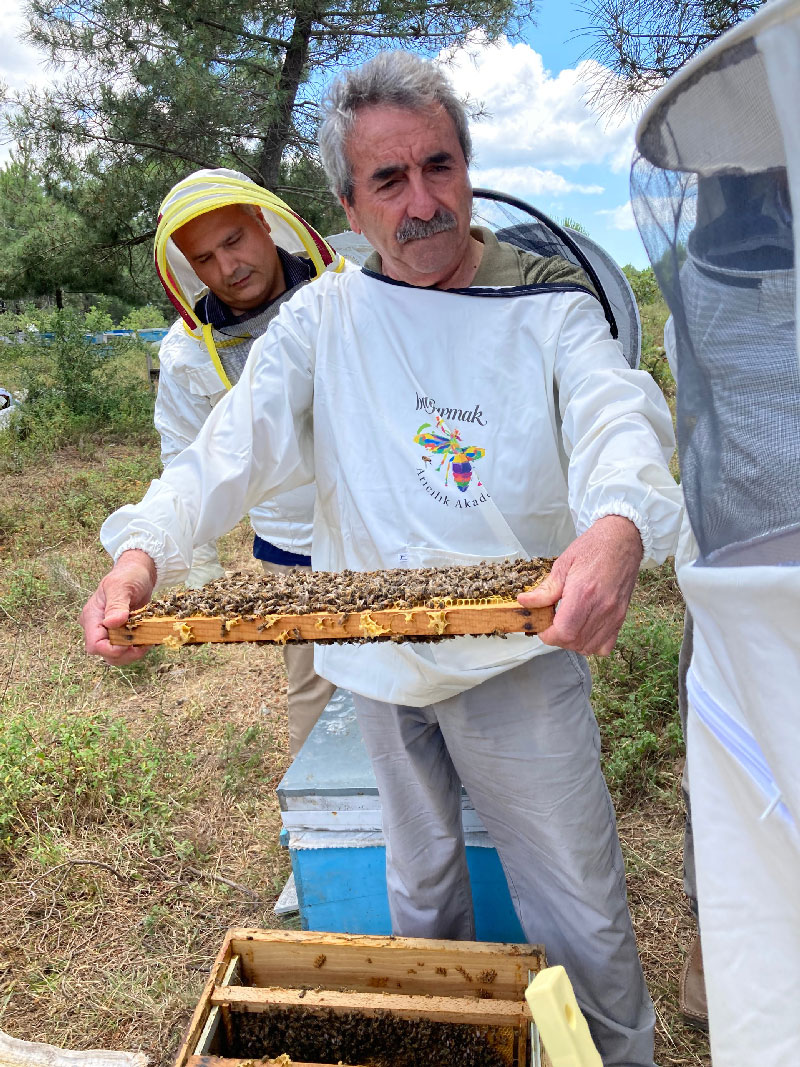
x,y
331,812
343,890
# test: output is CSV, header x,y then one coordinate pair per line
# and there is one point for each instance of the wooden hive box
x,y
337,985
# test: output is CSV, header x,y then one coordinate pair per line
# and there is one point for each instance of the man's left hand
x,y
594,579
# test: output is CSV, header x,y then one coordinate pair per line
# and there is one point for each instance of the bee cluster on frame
x,y
306,592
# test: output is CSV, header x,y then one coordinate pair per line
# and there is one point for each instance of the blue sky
x,y
557,35
542,140
561,40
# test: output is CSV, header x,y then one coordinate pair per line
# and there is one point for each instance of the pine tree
x,y
158,88
644,42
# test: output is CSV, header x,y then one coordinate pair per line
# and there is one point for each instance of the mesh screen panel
x,y
722,250
739,130
515,222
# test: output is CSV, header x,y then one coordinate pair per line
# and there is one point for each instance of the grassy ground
x,y
138,819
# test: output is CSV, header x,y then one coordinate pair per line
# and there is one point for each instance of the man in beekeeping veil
x,y
229,254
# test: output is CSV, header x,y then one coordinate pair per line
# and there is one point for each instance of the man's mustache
x,y
416,229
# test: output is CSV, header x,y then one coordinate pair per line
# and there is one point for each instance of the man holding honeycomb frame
x,y
448,335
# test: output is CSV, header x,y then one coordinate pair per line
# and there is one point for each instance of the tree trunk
x,y
291,75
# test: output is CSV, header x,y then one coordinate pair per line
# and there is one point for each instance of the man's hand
x,y
128,585
594,579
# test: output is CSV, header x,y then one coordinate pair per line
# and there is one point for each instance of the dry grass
x,y
108,932
652,840
108,925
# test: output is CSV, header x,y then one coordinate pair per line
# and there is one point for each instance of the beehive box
x,y
359,1001
331,815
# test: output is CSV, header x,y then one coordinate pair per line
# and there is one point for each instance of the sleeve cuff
x,y
147,545
623,508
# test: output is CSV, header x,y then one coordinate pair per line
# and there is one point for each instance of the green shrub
x,y
573,224
654,359
145,318
75,387
82,770
644,284
97,319
635,697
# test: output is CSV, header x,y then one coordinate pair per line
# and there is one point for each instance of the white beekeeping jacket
x,y
192,356
363,385
715,189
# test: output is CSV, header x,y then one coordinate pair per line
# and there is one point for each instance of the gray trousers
x,y
526,747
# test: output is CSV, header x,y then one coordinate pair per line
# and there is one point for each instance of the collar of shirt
x,y
296,271
504,264
499,264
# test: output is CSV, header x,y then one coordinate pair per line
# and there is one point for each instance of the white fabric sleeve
x,y
205,566
256,443
179,416
617,433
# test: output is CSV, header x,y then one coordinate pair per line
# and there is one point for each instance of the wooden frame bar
x,y
224,1061
497,618
437,1009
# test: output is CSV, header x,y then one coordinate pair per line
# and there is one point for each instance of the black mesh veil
x,y
713,204
520,224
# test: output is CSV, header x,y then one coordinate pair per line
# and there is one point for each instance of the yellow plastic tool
x,y
562,1027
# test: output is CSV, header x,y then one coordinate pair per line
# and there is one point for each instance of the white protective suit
x,y
743,723
193,377
542,429
716,194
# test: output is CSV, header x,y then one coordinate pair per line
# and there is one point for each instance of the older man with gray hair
x,y
450,342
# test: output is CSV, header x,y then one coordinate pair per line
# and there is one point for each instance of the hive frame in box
x,y
415,978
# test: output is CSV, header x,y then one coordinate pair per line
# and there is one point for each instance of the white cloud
x,y
534,118
529,181
21,65
620,218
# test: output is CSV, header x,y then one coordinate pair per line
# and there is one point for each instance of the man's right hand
x,y
128,585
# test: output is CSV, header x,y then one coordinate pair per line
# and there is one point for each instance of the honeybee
x,y
456,457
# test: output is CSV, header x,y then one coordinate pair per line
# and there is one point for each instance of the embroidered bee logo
x,y
456,457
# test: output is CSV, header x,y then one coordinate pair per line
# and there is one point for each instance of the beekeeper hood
x,y
715,188
207,190
519,223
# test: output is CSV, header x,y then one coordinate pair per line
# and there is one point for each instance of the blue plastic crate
x,y
153,335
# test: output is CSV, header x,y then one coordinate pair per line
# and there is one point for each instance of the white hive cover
x,y
16,1053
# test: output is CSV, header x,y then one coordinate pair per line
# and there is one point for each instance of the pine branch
x,y
275,42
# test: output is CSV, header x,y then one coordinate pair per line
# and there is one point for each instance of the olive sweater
x,y
504,264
